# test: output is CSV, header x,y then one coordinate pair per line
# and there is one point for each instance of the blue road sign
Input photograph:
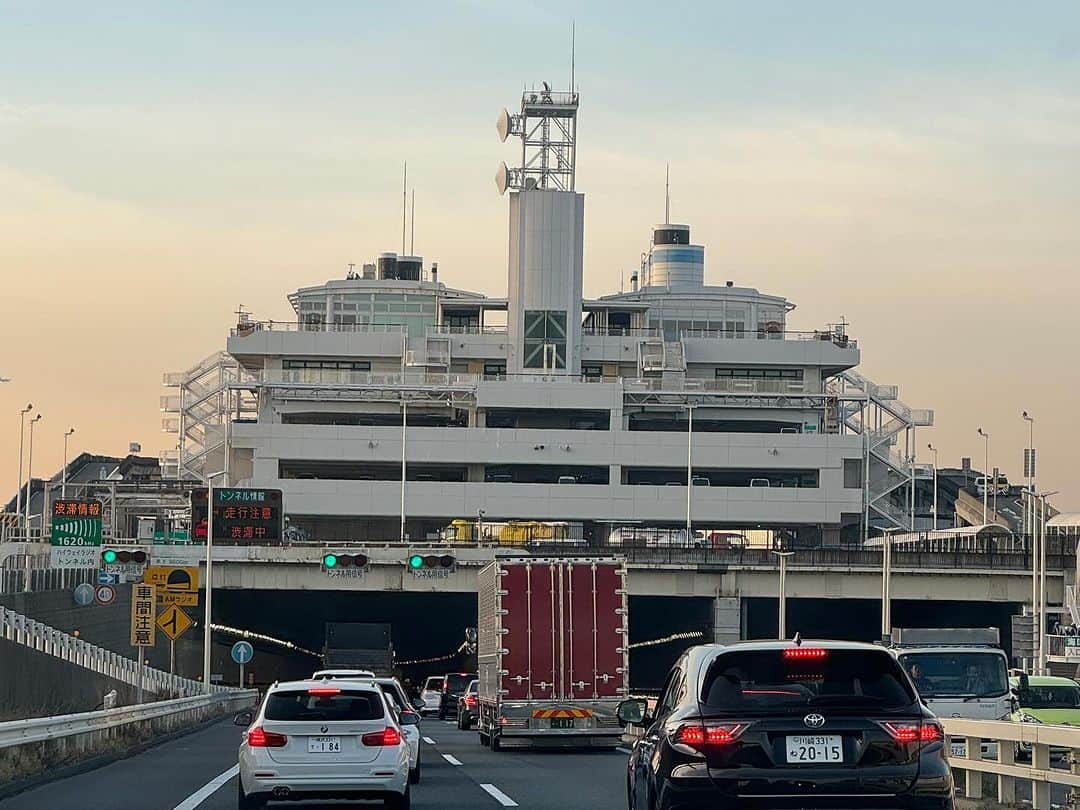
x,y
242,652
105,578
84,594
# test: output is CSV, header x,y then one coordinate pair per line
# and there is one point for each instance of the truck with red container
x,y
552,650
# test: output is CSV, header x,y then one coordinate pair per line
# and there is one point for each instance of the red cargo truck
x,y
552,652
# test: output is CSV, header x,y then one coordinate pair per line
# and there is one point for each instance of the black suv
x,y
454,685
787,724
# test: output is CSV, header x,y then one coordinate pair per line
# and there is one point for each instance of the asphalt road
x,y
178,773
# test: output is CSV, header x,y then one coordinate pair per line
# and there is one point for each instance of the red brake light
x,y
701,737
324,691
388,736
805,653
470,700
914,733
258,737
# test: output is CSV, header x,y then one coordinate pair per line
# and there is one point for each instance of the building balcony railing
x,y
620,331
836,338
725,385
251,327
450,329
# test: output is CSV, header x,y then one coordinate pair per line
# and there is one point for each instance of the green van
x,y
1045,699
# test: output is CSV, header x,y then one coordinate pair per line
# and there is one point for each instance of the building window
x,y
545,339
592,372
853,477
761,373
337,365
494,370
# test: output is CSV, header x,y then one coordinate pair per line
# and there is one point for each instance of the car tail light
x,y
923,734
388,736
805,653
259,737
324,691
470,700
709,735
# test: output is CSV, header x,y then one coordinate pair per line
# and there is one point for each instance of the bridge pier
x,y
729,621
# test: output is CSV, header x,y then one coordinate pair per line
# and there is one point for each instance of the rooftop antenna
x,y
412,227
573,25
667,193
404,202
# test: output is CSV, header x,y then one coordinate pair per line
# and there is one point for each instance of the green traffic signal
x,y
109,556
416,561
329,561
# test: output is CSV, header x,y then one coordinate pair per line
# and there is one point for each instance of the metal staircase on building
x,y
887,426
666,357
435,356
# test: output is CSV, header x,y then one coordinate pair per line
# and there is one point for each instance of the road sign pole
x,y
172,657
138,678
241,676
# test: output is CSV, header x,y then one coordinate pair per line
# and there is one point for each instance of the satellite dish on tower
x,y
546,86
502,178
502,125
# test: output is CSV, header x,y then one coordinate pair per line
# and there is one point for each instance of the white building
x,y
545,406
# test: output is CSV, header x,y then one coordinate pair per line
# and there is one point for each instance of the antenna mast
x,y
573,26
412,227
667,193
404,202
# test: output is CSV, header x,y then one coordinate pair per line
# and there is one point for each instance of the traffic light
x,y
334,560
431,562
119,556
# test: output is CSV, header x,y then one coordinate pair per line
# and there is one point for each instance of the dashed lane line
x,y
207,790
624,750
451,759
499,796
429,741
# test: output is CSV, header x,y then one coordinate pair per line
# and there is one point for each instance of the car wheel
x,y
246,802
462,723
402,802
414,774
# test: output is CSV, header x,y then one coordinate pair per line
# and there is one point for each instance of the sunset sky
x,y
913,168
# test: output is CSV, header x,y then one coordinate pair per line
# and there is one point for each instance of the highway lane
x,y
175,775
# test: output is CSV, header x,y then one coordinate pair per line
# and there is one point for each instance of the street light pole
x,y
986,470
63,484
18,495
933,450
1029,471
208,611
1042,581
404,420
689,473
30,476
782,617
886,582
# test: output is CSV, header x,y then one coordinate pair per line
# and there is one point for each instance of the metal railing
x,y
20,629
250,328
450,329
42,729
839,340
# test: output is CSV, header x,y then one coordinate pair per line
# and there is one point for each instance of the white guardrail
x,y
1036,739
23,630
41,729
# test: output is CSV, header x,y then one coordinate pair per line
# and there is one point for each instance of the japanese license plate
x,y
562,722
813,748
958,748
324,745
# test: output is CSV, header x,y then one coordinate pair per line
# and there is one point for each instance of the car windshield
x,y
433,684
795,679
957,674
302,706
458,682
1050,697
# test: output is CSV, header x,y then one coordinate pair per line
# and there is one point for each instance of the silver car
x,y
323,740
432,694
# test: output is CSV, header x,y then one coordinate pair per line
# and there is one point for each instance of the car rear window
x,y
457,683
299,706
775,681
433,683
394,692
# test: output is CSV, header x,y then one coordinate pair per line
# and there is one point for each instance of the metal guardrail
x,y
23,630
41,729
1039,737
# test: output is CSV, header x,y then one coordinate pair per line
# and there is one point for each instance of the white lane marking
x,y
624,750
499,796
451,759
429,741
207,790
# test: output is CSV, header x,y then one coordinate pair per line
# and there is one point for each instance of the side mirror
x,y
418,704
242,719
632,712
409,719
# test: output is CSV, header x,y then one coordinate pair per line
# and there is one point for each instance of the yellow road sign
x,y
173,622
176,585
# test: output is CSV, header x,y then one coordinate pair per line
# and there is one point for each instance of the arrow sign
x,y
242,652
173,622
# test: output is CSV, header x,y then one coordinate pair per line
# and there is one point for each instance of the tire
x,y
414,774
463,723
402,802
496,744
246,802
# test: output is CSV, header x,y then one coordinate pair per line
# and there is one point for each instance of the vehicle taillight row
x,y
710,735
470,700
259,737
914,732
805,653
388,736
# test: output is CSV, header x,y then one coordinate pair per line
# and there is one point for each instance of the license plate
x,y
813,748
324,745
562,722
958,749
